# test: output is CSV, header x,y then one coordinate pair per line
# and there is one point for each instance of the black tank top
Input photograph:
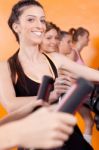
x,y
32,86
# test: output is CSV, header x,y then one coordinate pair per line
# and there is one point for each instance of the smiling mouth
x,y
37,33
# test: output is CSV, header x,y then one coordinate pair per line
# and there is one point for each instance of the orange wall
x,y
66,14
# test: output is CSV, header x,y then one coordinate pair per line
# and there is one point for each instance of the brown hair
x,y
16,69
50,26
63,34
77,32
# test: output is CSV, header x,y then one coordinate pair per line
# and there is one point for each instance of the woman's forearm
x,y
15,103
9,136
80,70
21,112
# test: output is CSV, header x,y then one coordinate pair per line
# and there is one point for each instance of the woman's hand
x,y
46,129
62,84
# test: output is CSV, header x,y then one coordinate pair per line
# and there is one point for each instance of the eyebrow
x,y
34,16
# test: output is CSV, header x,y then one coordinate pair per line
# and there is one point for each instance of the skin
x,y
55,132
65,45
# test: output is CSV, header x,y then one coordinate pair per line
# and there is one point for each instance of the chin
x,y
38,41
50,50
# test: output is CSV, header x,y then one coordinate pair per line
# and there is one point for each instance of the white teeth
x,y
37,33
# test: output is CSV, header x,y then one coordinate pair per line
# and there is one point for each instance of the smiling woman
x,y
21,75
51,39
25,23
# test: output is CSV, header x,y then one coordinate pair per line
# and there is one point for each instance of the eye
x,y
69,42
49,37
30,19
57,38
43,21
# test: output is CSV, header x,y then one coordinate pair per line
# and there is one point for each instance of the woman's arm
x,y
21,112
7,94
28,133
8,136
80,70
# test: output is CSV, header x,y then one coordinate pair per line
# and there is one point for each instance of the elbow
x,y
8,106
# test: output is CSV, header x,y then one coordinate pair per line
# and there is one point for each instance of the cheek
x,y
44,45
57,43
66,46
60,46
44,28
24,29
86,40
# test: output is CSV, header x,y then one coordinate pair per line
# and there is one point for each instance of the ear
x,y
16,27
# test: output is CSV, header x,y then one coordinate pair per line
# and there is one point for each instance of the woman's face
x,y
65,46
50,42
84,40
31,25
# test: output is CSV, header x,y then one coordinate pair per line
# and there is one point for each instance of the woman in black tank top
x,y
28,65
30,87
27,21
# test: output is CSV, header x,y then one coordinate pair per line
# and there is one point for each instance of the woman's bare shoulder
x,y
56,55
57,58
4,67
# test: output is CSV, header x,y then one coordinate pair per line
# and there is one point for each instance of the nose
x,y
71,45
54,41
